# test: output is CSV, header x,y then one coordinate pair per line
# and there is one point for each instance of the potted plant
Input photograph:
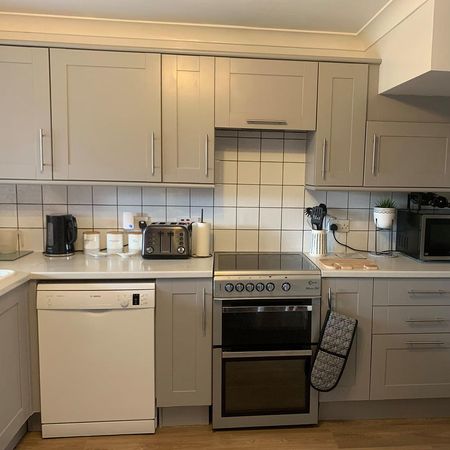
x,y
384,213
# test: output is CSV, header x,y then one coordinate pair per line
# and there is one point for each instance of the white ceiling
x,y
342,16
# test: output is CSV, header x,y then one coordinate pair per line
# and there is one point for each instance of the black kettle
x,y
61,234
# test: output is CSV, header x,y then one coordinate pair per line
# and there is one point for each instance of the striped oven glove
x,y
335,342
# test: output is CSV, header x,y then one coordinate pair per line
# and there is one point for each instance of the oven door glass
x,y
437,237
265,385
267,325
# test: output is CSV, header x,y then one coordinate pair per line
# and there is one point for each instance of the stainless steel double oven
x,y
265,326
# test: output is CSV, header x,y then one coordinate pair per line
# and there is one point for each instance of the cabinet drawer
x,y
412,292
411,319
410,366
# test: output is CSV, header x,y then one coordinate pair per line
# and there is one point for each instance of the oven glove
x,y
334,346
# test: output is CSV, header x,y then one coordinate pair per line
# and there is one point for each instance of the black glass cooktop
x,y
267,263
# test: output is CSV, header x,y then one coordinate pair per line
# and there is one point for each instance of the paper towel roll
x,y
201,239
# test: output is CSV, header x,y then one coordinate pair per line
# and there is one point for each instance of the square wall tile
x,y
224,240
30,216
293,196
359,219
54,209
249,149
358,199
79,195
294,150
8,193
337,199
226,148
54,194
129,195
225,195
32,239
270,218
156,213
247,240
249,134
154,196
269,241
29,193
83,214
270,196
177,213
8,216
292,218
224,218
248,172
314,198
178,197
272,150
271,173
105,195
294,174
202,197
247,195
105,217
358,240
272,134
247,218
225,132
226,171
291,241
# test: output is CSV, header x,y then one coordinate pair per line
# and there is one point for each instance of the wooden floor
x,y
423,434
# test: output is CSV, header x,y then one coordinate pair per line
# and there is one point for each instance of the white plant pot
x,y
384,217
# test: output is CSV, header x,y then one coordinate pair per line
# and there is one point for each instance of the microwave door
x,y
435,237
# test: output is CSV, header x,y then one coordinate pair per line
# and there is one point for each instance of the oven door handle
x,y
266,354
263,309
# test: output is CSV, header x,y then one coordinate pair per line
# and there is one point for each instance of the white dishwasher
x,y
97,358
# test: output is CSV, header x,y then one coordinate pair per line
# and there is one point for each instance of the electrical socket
x,y
342,224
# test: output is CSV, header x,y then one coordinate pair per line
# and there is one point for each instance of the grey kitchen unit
x,y
266,94
352,297
15,384
106,115
25,140
183,342
411,339
335,152
188,118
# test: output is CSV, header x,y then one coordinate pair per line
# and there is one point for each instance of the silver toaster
x,y
166,240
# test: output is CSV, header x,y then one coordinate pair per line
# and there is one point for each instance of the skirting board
x,y
385,409
183,415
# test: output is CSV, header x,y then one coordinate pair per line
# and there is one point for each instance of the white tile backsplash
x,y
257,204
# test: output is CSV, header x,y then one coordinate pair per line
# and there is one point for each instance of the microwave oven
x,y
423,235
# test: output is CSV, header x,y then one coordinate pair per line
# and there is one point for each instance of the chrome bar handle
x,y
204,312
265,354
436,292
374,152
329,298
425,343
266,122
324,156
206,155
152,153
436,320
41,149
265,309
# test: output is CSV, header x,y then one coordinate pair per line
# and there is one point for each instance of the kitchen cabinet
x,y
15,386
400,154
411,342
352,297
106,115
265,94
335,152
188,118
183,342
25,141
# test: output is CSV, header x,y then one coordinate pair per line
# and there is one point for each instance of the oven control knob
x,y
239,287
259,287
249,287
181,249
149,249
270,287
286,286
229,287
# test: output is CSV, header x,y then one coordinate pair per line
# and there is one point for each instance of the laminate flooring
x,y
398,434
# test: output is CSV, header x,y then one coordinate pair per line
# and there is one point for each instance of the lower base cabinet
x,y
183,342
15,386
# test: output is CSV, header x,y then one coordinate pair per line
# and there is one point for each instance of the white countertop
x,y
39,267
397,267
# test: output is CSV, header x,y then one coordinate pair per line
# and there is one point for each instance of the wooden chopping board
x,y
348,264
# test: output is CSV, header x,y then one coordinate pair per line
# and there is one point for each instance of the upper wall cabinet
x,y
266,94
335,152
415,155
188,118
106,109
25,144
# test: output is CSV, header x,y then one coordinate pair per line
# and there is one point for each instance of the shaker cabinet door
x,y
188,118
337,148
400,154
266,94
183,342
106,109
352,297
25,133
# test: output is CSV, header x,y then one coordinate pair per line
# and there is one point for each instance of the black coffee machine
x,y
61,235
